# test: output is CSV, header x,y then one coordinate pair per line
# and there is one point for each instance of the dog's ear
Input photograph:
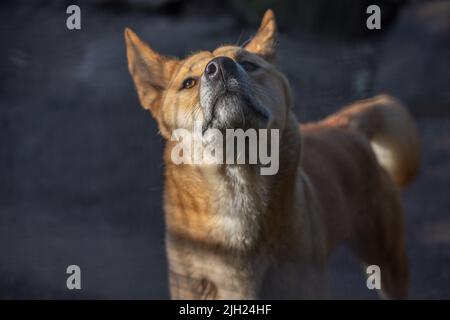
x,y
150,71
265,41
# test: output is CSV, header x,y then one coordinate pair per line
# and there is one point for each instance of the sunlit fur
x,y
232,233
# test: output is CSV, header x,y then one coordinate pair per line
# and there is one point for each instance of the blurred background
x,y
81,162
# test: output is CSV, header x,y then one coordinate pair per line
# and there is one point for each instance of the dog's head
x,y
230,87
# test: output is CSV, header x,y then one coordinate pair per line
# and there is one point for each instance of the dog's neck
x,y
228,204
218,212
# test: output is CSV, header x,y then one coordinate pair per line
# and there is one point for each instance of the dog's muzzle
x,y
227,98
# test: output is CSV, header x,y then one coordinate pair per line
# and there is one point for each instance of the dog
x,y
232,233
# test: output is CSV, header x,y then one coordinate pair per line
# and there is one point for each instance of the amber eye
x,y
188,83
249,66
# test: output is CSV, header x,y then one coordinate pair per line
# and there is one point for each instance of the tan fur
x,y
234,234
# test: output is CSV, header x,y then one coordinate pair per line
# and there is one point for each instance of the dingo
x,y
234,233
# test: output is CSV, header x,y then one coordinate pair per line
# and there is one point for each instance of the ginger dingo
x,y
233,233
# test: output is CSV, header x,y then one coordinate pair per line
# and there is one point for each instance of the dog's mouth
x,y
232,107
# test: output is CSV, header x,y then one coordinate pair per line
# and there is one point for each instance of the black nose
x,y
220,67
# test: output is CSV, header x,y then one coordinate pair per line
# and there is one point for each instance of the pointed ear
x,y
265,41
150,71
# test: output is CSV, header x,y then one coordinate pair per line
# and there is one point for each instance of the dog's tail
x,y
392,134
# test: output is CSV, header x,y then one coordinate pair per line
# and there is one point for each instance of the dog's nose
x,y
220,67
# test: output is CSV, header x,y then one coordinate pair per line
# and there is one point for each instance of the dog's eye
x,y
249,66
188,83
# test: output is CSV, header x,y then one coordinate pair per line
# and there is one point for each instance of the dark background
x,y
81,162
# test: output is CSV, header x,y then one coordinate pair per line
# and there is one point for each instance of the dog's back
x,y
355,159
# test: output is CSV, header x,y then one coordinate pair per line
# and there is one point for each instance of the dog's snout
x,y
220,67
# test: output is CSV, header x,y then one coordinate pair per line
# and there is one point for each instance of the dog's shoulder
x,y
336,146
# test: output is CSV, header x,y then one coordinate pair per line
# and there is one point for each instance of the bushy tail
x,y
392,133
